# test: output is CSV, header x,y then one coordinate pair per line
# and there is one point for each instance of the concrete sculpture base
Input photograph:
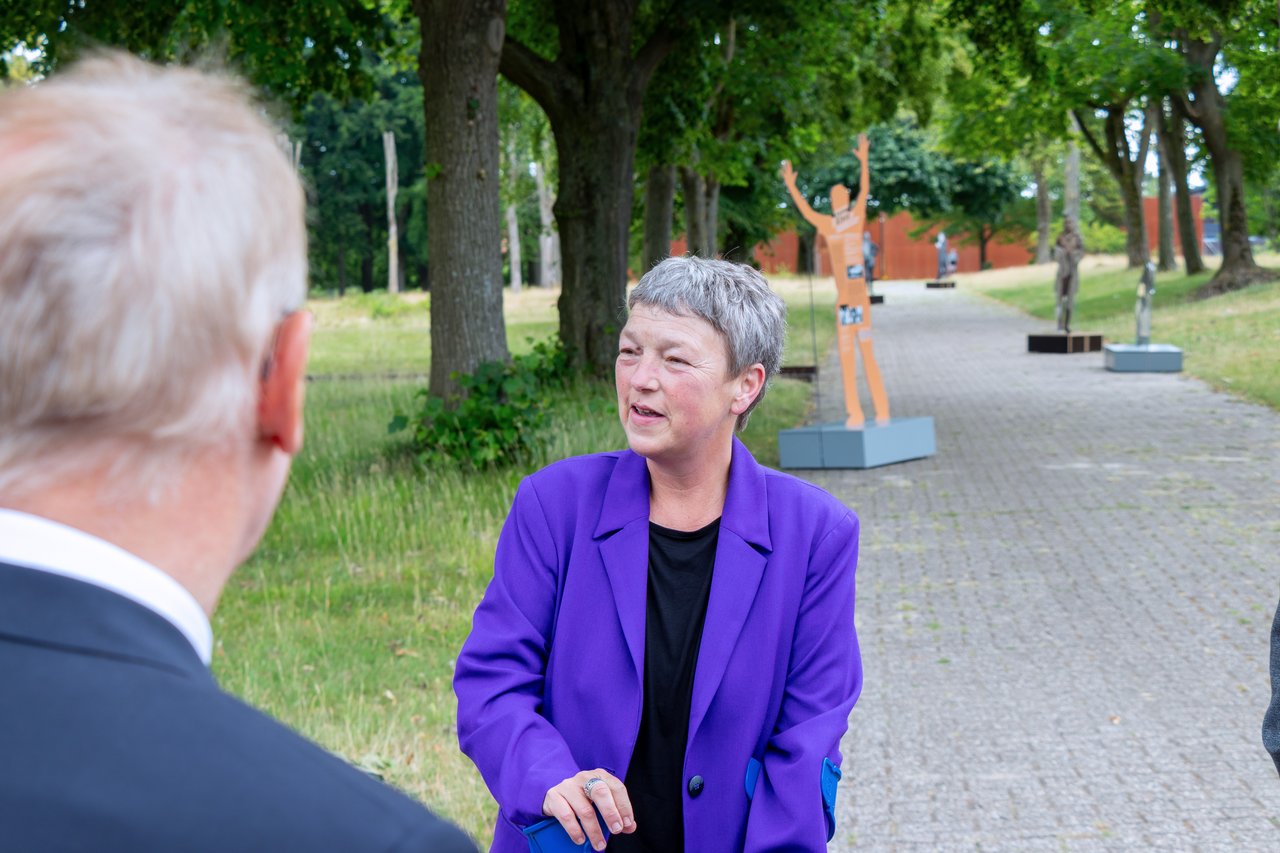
x,y
1143,358
834,445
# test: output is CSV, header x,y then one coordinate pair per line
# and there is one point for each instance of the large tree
x,y
601,57
461,46
1234,111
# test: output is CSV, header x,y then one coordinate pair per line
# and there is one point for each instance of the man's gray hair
x,y
734,298
152,236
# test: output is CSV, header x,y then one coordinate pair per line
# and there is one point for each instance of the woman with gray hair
x,y
667,647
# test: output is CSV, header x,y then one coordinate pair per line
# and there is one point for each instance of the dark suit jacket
x,y
114,736
1271,722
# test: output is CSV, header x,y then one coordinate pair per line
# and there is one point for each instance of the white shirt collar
x,y
38,543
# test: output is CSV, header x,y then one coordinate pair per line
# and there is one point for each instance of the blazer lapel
x,y
623,534
741,556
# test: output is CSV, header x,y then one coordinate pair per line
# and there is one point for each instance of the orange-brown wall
x,y
903,257
900,256
1150,210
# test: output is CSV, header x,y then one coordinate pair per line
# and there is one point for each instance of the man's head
x,y
152,253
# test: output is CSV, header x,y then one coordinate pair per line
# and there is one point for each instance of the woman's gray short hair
x,y
734,298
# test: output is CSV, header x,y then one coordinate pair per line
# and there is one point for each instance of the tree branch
x,y
545,82
648,59
1088,136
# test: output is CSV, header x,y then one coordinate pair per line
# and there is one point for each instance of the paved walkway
x,y
1064,614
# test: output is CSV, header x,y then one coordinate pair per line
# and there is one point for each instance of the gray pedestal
x,y
1064,343
1143,358
837,446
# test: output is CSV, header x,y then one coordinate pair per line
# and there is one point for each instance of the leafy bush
x,y
1101,238
495,418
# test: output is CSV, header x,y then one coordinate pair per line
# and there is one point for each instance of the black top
x,y
680,567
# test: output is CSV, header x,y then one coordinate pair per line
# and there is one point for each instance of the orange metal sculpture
x,y
842,234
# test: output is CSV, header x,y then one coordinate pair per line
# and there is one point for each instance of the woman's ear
x,y
750,384
283,384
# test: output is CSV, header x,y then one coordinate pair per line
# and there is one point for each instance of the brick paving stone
x,y
1064,614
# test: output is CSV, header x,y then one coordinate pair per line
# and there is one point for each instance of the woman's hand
x,y
568,803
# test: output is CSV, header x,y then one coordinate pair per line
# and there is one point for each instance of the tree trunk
x,y
1127,169
659,201
513,249
1044,214
461,46
1071,183
1173,147
984,237
393,187
548,240
1238,268
695,211
711,224
1167,259
366,271
342,270
593,94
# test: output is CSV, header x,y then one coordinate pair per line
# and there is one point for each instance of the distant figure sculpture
x,y
1142,308
1068,251
941,246
869,252
953,261
843,233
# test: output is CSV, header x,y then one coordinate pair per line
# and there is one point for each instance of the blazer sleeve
x,y
793,804
501,669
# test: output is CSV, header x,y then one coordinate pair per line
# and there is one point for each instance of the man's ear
x,y
282,389
750,384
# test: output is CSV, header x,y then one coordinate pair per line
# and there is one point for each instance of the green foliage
x,y
290,49
344,165
908,173
496,416
1101,238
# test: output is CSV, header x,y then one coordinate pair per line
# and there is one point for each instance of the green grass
x,y
346,622
1230,341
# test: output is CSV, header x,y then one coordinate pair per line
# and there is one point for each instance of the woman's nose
x,y
645,375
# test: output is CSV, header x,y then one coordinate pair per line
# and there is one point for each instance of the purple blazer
x,y
549,681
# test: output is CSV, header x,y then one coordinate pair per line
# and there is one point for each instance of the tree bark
x,y
342,269
366,271
711,214
593,95
659,202
1044,213
393,187
1173,146
694,194
514,270
461,46
1071,183
513,249
548,239
1127,170
1164,212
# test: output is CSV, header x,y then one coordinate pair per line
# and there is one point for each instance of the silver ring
x,y
591,783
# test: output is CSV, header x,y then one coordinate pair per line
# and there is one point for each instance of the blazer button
x,y
695,786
